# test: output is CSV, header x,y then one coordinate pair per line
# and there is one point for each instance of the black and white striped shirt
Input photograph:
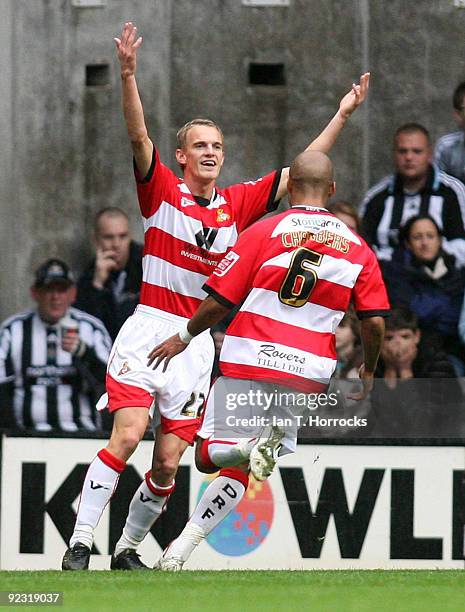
x,y
386,207
49,388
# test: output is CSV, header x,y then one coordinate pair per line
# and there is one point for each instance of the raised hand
x,y
166,350
355,96
104,264
127,47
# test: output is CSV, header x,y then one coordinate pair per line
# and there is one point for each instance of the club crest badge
x,y
125,369
222,216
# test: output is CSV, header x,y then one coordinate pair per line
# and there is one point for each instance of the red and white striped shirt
x,y
299,270
184,240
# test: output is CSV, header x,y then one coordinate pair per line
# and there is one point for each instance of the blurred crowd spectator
x,y
348,347
414,220
52,359
416,188
449,153
424,278
109,288
416,393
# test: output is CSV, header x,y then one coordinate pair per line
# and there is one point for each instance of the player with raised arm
x,y
298,272
189,225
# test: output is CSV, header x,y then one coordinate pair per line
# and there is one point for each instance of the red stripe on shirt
x,y
325,293
179,252
257,327
168,301
247,372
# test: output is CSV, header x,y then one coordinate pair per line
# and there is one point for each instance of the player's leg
x,y
219,445
216,453
150,499
260,454
101,480
130,394
288,409
227,490
221,496
179,406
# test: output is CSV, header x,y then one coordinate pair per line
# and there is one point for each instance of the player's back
x,y
306,264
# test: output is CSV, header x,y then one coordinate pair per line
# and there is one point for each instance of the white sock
x,y
147,504
220,497
99,485
227,454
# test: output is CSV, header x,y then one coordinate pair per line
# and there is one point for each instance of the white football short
x,y
238,409
178,394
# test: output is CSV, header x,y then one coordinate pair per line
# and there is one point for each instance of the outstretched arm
x,y
207,314
328,136
142,146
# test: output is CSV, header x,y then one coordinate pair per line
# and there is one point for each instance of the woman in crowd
x,y
423,277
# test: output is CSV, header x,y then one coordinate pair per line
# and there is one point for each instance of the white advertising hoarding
x,y
326,507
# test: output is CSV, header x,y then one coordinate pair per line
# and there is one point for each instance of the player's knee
x,y
128,439
165,467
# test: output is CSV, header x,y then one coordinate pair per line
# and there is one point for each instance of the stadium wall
x,y
64,147
328,506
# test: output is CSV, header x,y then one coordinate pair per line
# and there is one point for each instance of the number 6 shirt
x,y
298,272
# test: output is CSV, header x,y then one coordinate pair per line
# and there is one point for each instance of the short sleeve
x,y
152,188
101,342
253,199
369,293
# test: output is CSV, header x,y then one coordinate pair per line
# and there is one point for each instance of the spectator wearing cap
x,y
52,358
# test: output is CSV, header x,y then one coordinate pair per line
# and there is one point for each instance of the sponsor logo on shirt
x,y
50,375
270,350
313,222
226,263
192,252
269,356
298,222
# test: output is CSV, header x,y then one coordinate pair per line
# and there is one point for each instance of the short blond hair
x,y
181,136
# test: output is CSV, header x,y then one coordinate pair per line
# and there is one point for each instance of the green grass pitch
x,y
315,591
